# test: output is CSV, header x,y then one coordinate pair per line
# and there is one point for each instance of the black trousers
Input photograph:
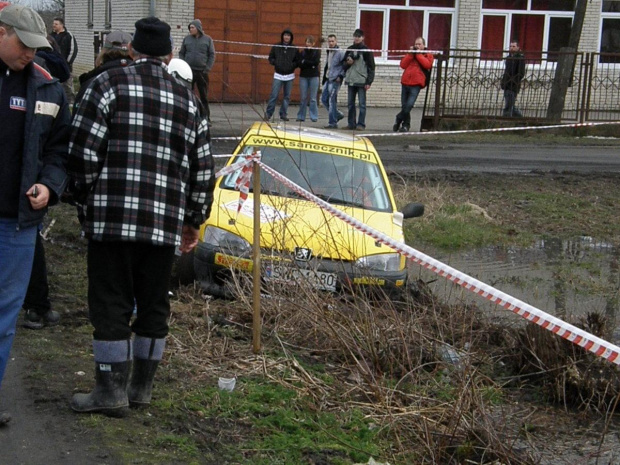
x,y
121,274
200,81
37,296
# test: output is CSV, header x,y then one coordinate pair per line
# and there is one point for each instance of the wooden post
x,y
256,317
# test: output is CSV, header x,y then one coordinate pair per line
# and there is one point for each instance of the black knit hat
x,y
152,37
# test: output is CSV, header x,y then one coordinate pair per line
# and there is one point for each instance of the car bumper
x,y
213,266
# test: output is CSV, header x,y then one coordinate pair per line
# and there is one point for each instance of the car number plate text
x,y
317,279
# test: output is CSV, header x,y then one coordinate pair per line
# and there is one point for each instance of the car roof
x,y
298,132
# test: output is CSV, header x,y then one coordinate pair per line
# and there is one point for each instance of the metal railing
x,y
466,84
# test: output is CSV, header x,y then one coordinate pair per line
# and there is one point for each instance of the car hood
x,y
287,224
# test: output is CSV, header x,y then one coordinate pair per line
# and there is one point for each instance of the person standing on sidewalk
x,y
68,49
360,73
309,61
141,159
284,58
412,81
511,79
199,53
333,75
34,130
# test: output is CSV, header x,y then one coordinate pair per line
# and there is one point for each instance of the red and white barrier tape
x,y
472,131
569,332
258,44
463,131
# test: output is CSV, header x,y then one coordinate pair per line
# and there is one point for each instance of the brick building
x,y
244,31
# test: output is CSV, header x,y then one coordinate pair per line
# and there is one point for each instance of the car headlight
x,y
383,262
227,241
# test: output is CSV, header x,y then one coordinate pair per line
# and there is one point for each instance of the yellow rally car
x,y
299,240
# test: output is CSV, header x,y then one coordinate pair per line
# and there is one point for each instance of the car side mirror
x,y
412,210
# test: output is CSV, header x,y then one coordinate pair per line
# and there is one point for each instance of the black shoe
x,y
396,126
404,128
284,118
329,126
340,115
33,320
360,127
267,118
351,128
300,120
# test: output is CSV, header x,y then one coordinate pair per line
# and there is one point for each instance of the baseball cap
x,y
28,25
117,40
358,33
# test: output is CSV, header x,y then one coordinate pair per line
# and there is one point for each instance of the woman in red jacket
x,y
412,81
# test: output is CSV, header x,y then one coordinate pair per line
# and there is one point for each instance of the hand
x,y
39,196
189,238
349,60
367,86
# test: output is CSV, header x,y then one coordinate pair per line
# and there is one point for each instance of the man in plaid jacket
x,y
142,165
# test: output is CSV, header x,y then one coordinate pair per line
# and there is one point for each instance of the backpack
x,y
427,75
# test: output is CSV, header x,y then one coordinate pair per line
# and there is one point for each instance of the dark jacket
x,y
53,61
68,45
309,61
362,71
46,136
85,78
198,52
514,72
284,58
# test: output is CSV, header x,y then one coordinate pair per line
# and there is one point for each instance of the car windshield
x,y
337,179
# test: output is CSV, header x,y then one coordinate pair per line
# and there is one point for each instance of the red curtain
x,y
493,28
371,22
405,26
439,28
528,30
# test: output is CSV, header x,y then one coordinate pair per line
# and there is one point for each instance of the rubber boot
x,y
141,386
147,355
110,393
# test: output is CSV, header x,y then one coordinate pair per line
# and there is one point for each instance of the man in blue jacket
x,y
34,130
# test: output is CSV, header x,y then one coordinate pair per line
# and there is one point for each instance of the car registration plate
x,y
317,279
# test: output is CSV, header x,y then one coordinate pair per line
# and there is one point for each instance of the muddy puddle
x,y
565,278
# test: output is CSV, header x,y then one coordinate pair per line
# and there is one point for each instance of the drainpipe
x,y
152,8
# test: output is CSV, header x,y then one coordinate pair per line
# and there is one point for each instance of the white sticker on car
x,y
268,214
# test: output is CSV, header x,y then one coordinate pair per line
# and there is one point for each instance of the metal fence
x,y
466,84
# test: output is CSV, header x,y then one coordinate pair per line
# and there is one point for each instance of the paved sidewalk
x,y
233,119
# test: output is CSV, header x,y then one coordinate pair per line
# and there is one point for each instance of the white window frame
x,y
386,9
606,15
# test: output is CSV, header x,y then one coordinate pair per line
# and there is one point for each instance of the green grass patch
x,y
280,425
453,227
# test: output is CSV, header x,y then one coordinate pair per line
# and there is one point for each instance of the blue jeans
x,y
360,92
16,255
308,88
329,99
510,96
286,98
408,96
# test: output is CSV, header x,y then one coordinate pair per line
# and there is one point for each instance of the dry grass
x,y
434,378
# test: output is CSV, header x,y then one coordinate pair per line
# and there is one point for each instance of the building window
x,y
538,25
392,26
610,32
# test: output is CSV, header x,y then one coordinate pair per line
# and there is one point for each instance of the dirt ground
x,y
47,366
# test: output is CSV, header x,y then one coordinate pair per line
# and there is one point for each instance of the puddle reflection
x,y
565,278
